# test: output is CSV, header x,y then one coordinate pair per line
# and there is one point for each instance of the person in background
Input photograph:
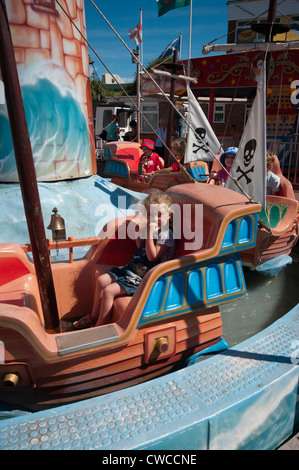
x,y
272,180
149,160
112,129
179,121
131,135
227,159
161,140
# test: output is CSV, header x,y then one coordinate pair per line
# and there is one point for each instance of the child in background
x,y
150,160
156,245
227,159
178,148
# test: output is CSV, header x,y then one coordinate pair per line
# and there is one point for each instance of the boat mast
x,y
173,66
27,175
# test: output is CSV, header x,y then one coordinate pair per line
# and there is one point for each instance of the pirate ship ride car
x,y
122,167
173,314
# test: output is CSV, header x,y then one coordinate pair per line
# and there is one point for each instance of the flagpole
x,y
139,81
141,45
190,28
181,39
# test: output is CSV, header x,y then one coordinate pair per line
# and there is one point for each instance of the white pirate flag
x,y
203,139
249,167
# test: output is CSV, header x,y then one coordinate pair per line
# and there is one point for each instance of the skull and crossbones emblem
x,y
249,151
201,145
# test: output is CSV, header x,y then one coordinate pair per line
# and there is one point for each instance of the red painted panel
x,y
10,269
242,69
130,155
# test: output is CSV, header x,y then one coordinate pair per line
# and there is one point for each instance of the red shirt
x,y
152,163
175,166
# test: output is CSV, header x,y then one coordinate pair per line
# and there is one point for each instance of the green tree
x,y
97,89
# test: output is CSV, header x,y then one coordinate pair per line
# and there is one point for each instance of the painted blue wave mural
x,y
58,133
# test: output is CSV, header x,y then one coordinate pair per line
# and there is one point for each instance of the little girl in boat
x,y
178,148
227,159
156,245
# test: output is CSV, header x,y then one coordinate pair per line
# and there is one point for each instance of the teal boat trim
x,y
195,287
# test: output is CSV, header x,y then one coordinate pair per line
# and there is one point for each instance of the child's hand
x,y
153,228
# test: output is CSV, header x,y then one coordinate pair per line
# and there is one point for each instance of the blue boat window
x,y
107,152
230,234
232,276
175,296
155,299
214,285
122,170
245,230
195,287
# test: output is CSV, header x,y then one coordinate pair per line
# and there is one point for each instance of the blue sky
x,y
209,21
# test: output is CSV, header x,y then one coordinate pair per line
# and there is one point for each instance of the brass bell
x,y
57,226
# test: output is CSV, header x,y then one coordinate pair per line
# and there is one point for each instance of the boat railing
x,y
69,244
287,150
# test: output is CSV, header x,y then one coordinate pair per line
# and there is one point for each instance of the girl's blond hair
x,y
179,146
270,159
156,196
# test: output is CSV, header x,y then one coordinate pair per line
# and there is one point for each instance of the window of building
x,y
219,113
150,111
247,112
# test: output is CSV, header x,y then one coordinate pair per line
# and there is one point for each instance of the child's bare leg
x,y
108,295
100,284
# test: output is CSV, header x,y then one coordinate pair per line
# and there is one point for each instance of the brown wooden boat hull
x,y
162,182
45,384
269,247
281,240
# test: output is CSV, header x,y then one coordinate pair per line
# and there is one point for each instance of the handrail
x,y
70,243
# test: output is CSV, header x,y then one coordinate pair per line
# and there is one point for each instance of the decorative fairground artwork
x,y
53,68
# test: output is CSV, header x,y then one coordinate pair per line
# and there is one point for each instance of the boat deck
x,y
242,398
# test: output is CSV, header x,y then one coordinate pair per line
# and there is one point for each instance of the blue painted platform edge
x,y
242,398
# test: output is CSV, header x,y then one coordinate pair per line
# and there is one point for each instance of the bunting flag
x,y
249,167
165,5
172,46
136,34
203,139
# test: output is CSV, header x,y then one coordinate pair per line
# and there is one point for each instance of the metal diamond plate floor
x,y
242,398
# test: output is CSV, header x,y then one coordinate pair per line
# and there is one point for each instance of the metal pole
x,y
170,112
190,35
27,175
271,18
138,96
